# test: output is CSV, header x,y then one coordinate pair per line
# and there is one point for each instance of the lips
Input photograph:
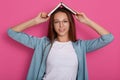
x,y
61,30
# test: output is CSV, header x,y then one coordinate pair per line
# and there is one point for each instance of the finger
x,y
39,14
76,17
47,18
44,15
77,13
81,13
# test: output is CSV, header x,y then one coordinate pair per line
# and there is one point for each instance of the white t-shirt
x,y
62,63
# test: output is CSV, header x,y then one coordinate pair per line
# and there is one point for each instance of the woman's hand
x,y
82,18
42,17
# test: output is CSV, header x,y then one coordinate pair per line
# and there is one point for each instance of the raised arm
x,y
27,40
94,44
42,17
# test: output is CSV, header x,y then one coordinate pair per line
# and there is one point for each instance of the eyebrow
x,y
63,19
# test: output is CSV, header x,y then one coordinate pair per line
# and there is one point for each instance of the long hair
x,y
52,35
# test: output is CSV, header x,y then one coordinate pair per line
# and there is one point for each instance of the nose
x,y
61,24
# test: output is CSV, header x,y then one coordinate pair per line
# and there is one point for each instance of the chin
x,y
61,34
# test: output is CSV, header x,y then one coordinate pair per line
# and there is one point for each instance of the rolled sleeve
x,y
23,38
100,42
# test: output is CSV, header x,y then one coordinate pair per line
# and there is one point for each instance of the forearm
x,y
24,25
99,29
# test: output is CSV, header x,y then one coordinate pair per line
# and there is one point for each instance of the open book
x,y
61,4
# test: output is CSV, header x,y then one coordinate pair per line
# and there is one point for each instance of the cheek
x,y
55,28
67,28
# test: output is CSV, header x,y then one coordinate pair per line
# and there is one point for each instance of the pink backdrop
x,y
103,64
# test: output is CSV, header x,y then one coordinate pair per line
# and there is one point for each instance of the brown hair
x,y
72,31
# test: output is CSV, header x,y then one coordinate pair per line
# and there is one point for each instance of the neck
x,y
63,39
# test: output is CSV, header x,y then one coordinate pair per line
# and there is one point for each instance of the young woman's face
x,y
61,24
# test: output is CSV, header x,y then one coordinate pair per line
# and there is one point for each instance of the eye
x,y
56,21
65,21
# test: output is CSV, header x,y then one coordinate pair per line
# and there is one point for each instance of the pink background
x,y
103,64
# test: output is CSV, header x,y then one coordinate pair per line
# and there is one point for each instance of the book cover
x,y
61,4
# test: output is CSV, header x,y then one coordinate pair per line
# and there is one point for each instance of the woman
x,y
59,56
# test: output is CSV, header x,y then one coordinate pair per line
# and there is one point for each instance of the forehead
x,y
60,16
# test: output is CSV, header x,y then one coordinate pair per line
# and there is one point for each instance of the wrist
x,y
89,22
35,21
